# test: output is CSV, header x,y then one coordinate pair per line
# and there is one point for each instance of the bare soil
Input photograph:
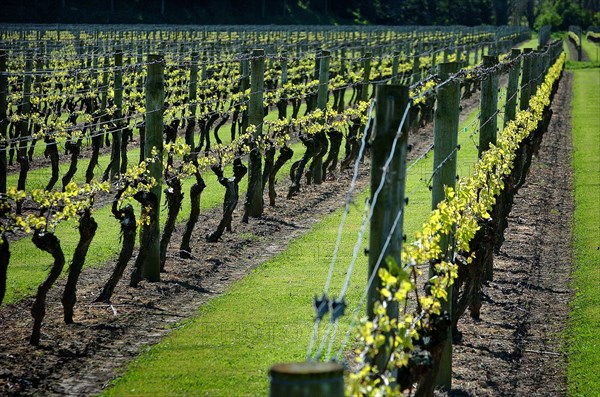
x,y
514,350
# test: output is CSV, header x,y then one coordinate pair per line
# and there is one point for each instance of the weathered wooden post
x,y
510,109
444,165
3,121
24,127
488,128
488,118
364,94
395,64
254,197
416,72
115,156
388,171
526,84
154,140
193,90
317,166
304,379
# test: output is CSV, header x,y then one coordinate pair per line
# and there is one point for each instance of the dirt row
x,y
515,349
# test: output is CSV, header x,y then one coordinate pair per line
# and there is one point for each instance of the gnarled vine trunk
x,y
231,197
285,154
174,197
126,216
87,231
49,243
149,203
185,251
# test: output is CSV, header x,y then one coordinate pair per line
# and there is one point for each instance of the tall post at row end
x,y
388,165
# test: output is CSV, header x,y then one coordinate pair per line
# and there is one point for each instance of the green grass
x,y
591,49
266,317
584,320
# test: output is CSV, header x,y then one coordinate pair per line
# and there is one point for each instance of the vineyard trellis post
x,y
395,64
322,91
488,107
512,88
254,198
364,94
310,378
526,83
154,142
488,129
25,132
193,89
3,121
445,145
388,212
416,71
115,158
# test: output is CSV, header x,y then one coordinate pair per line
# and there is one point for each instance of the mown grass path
x,y
584,321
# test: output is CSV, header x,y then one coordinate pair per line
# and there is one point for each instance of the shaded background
x,y
558,13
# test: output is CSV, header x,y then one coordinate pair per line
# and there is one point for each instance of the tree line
x,y
535,13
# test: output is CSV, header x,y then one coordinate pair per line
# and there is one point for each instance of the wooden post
x,y
193,89
317,166
395,64
254,198
444,165
154,139
510,109
24,126
115,156
536,71
416,72
364,94
525,81
244,85
392,101
3,121
488,130
319,379
489,107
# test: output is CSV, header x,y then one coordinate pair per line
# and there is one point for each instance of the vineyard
x,y
166,148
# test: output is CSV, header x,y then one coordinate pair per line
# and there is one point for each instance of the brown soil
x,y
515,349
518,334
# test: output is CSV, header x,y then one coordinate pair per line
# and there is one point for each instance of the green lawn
x,y
591,49
584,320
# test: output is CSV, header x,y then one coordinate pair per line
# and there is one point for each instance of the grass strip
x,y
584,321
591,49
